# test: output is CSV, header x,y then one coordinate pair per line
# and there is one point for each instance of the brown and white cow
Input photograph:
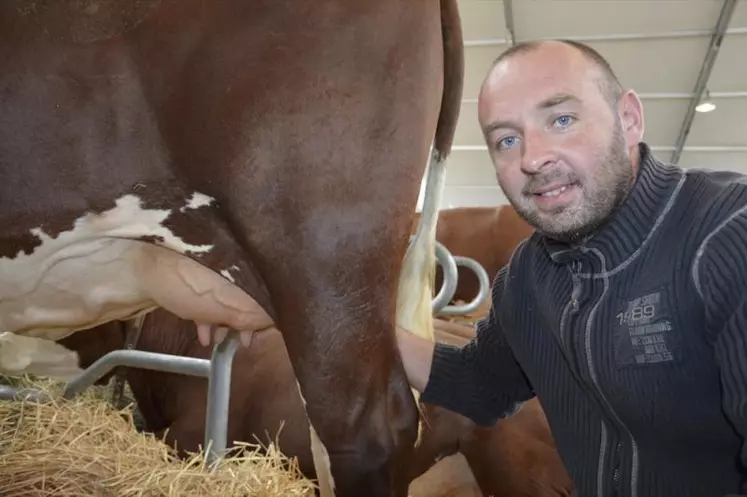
x,y
487,234
241,164
516,457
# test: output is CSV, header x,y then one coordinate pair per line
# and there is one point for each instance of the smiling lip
x,y
552,190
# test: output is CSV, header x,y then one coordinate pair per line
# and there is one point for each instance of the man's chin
x,y
561,225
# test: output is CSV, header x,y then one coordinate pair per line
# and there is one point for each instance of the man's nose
x,y
537,152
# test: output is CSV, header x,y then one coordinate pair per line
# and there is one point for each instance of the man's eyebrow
x,y
548,103
558,99
500,123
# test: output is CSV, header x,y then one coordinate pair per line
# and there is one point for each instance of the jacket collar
x,y
628,229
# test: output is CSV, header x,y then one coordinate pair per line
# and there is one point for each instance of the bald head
x,y
607,81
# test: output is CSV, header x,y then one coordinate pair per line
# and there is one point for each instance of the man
x,y
626,311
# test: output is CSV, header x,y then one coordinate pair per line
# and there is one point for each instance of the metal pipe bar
x,y
663,35
218,398
450,279
136,359
489,42
508,15
724,18
9,393
482,293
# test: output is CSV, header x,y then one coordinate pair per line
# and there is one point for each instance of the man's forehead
x,y
542,67
536,94
537,79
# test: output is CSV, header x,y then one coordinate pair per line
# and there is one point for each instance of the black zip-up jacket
x,y
635,342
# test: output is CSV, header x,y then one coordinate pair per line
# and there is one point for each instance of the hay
x,y
86,447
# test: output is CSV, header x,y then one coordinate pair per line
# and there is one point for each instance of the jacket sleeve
x,y
720,276
481,380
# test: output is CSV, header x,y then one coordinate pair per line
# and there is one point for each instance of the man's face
x,y
561,154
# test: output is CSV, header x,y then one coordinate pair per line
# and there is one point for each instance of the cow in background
x,y
242,164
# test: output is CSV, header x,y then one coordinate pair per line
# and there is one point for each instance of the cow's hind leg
x,y
362,418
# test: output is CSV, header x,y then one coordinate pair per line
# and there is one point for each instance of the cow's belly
x,y
99,271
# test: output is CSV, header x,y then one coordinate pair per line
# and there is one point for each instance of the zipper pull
x,y
575,270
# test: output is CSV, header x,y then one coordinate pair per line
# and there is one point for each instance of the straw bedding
x,y
85,447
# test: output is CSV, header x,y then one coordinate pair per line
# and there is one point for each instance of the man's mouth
x,y
554,192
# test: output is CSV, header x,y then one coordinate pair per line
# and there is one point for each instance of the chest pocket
x,y
644,330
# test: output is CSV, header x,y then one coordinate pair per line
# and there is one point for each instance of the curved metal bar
x,y
136,359
482,294
450,279
219,391
9,393
217,369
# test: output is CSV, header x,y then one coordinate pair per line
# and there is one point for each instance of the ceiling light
x,y
705,104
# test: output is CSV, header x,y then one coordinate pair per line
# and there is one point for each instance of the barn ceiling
x,y
660,48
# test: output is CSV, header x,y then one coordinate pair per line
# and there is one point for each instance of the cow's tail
x,y
415,292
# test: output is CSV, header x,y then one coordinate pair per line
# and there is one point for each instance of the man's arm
x,y
720,274
481,380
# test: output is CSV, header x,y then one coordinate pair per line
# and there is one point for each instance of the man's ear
x,y
630,111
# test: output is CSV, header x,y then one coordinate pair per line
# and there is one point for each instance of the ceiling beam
x,y
662,35
508,15
714,95
655,148
724,18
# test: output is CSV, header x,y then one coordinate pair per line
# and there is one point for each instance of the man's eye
x,y
563,121
507,142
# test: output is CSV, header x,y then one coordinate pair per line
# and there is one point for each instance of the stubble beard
x,y
599,200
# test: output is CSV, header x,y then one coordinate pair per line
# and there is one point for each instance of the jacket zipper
x,y
569,349
616,421
616,471
566,338
569,311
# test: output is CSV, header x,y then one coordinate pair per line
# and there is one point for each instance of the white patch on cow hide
x,y
300,393
100,271
87,275
198,200
226,273
320,455
127,220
